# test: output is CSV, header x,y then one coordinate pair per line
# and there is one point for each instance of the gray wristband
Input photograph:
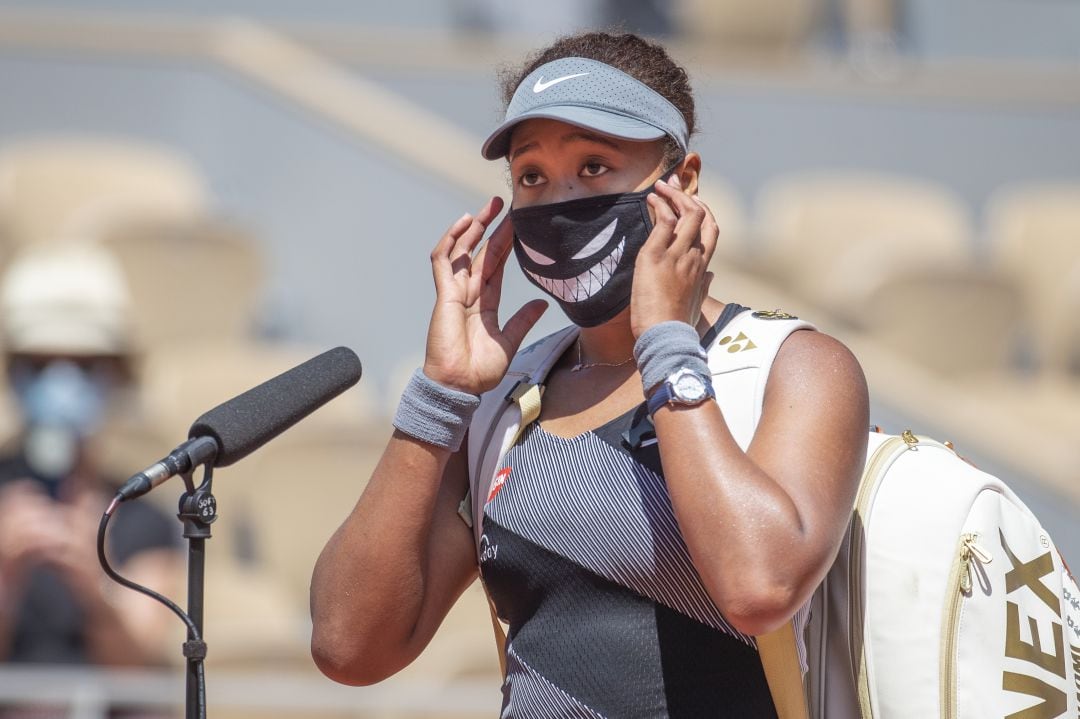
x,y
664,349
434,413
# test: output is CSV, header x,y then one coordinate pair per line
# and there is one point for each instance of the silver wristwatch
x,y
685,387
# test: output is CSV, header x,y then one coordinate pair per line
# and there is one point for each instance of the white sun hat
x,y
65,298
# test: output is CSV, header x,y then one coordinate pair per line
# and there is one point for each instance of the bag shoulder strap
x,y
749,345
764,332
522,388
506,411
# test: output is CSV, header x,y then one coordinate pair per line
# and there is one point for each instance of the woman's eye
x,y
593,169
531,179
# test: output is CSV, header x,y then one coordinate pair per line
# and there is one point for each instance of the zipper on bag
x,y
960,586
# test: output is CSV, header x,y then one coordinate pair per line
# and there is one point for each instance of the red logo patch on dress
x,y
500,480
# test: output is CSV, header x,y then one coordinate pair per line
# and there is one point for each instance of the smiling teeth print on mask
x,y
557,245
585,285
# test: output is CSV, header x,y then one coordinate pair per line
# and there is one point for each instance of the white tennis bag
x,y
947,599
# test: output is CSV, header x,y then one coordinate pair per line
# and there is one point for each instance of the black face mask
x,y
582,252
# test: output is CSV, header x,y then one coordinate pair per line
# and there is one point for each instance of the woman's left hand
x,y
671,277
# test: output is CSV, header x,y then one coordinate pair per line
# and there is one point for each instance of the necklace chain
x,y
587,365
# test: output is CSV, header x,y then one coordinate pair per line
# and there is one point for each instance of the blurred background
x,y
219,190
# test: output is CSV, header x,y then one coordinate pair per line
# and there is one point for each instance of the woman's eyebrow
x,y
584,136
524,148
574,136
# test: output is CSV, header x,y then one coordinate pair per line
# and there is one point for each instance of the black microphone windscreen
x,y
248,421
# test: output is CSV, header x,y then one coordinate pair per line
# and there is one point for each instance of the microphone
x,y
236,428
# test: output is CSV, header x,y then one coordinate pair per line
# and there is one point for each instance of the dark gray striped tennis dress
x,y
608,617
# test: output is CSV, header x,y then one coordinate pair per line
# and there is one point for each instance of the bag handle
x,y
780,659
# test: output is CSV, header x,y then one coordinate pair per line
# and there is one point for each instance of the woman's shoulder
x,y
818,353
814,364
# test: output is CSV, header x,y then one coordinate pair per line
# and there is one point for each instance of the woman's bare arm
x,y
763,526
389,575
392,571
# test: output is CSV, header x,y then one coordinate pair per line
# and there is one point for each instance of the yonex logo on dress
x,y
540,85
737,343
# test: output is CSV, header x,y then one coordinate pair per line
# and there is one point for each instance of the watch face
x,y
689,387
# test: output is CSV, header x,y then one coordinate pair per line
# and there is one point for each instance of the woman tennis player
x,y
633,576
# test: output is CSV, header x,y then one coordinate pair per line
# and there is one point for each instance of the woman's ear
x,y
688,171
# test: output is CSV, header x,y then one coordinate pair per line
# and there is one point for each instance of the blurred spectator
x,y
64,323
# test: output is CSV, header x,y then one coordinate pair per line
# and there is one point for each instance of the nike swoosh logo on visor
x,y
540,85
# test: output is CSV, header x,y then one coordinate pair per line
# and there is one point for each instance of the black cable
x,y
193,631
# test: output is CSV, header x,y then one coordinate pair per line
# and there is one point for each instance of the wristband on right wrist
x,y
435,413
664,349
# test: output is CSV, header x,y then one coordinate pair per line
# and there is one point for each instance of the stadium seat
x,y
760,23
192,279
53,186
724,202
893,256
1034,237
835,237
957,323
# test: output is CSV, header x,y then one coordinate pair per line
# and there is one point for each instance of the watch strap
x,y
660,397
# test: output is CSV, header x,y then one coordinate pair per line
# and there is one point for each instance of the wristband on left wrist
x,y
664,349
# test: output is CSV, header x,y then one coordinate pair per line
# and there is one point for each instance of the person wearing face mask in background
x,y
632,586
64,318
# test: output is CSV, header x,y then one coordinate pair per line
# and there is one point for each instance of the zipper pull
x,y
970,552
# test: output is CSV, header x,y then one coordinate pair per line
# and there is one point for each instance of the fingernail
x,y
661,181
675,181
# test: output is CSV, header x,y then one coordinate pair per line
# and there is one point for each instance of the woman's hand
x,y
466,350
670,277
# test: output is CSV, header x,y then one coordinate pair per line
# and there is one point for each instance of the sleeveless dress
x,y
607,615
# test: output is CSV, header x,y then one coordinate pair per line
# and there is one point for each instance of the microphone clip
x,y
197,506
181,461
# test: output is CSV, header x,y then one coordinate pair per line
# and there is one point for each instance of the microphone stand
x,y
197,511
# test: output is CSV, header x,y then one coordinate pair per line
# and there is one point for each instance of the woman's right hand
x,y
466,350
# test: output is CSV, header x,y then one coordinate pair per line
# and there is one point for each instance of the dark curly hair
x,y
645,61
